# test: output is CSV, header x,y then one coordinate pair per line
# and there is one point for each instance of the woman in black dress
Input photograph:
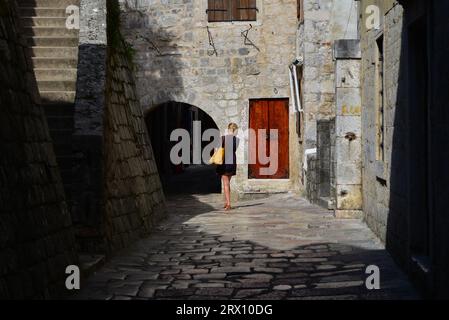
x,y
229,167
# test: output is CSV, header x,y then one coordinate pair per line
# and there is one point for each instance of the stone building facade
x,y
216,66
328,72
36,237
405,129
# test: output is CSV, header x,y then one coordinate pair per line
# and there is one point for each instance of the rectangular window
x,y
380,100
231,10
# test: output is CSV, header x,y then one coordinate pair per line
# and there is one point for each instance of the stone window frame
x,y
204,21
380,95
380,164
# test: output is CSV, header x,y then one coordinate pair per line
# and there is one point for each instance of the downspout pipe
x,y
298,96
292,88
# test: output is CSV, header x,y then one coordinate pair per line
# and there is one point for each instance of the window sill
x,y
213,24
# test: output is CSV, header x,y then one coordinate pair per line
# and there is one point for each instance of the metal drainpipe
x,y
295,77
292,90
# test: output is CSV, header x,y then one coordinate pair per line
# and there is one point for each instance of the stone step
x,y
57,96
43,12
48,41
66,173
56,85
60,123
64,148
53,22
64,139
326,203
47,3
65,163
54,63
55,52
43,74
59,110
50,32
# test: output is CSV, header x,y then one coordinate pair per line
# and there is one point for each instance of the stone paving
x,y
276,248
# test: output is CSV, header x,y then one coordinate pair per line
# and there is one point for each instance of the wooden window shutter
x,y
219,10
244,10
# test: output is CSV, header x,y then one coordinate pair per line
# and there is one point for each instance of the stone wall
x,y
36,237
175,61
404,193
325,166
87,185
348,133
324,22
376,193
118,196
134,200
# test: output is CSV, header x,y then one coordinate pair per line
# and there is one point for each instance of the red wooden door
x,y
269,114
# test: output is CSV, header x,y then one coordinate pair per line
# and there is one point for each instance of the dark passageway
x,y
185,178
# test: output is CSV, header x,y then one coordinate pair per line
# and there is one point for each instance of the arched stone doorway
x,y
185,178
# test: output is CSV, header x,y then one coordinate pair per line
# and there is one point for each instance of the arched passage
x,y
184,178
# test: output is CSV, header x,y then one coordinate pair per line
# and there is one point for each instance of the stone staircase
x,y
54,52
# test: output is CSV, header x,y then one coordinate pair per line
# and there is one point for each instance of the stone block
x,y
347,49
348,151
349,197
349,214
347,74
348,102
346,124
348,173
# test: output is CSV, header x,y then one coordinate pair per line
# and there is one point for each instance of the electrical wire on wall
x,y
247,41
211,43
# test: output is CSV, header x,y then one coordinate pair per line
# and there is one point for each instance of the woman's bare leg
x,y
223,181
227,190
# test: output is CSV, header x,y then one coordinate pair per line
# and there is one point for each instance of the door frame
x,y
287,101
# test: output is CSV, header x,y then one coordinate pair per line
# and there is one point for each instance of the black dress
x,y
229,166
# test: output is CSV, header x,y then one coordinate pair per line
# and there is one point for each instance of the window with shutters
x,y
231,10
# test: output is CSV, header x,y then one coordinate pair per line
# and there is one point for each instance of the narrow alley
x,y
224,149
280,247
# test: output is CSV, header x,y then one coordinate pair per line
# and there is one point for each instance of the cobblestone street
x,y
276,248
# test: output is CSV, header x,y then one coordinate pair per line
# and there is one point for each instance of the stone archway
x,y
186,178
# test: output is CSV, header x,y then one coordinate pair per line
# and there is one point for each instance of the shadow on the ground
x,y
189,260
173,270
196,179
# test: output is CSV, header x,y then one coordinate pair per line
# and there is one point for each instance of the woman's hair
x,y
233,127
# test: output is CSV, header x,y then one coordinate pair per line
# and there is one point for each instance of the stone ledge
x,y
349,214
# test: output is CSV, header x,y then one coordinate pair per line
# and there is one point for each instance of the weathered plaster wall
x,y
36,237
175,62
